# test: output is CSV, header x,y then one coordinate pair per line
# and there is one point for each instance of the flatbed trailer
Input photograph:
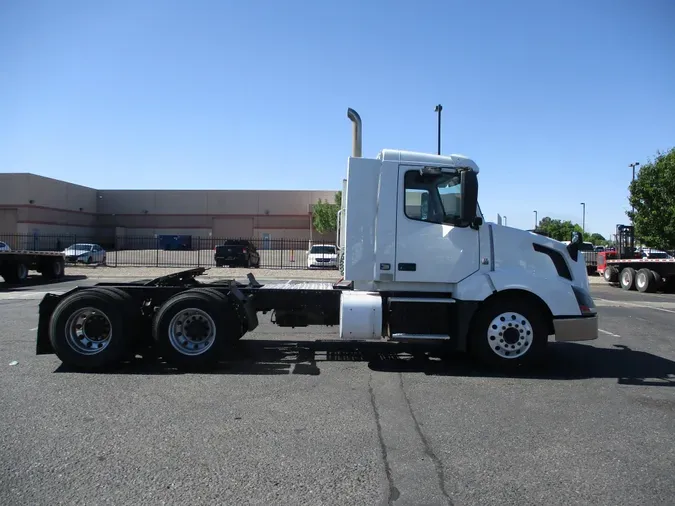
x,y
625,267
419,265
642,274
15,265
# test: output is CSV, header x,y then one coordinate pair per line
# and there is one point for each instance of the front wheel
x,y
509,332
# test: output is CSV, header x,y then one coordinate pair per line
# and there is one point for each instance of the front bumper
x,y
582,328
329,264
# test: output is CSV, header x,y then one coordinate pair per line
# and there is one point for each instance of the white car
x,y
4,246
322,255
85,253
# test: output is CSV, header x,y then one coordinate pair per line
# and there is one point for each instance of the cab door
x,y
430,245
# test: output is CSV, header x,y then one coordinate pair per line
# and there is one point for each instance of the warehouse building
x,y
32,205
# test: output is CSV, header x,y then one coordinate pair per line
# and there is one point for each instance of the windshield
x,y
80,246
326,250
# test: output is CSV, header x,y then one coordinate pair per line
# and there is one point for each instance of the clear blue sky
x,y
552,99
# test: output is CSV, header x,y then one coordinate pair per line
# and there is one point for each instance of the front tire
x,y
509,332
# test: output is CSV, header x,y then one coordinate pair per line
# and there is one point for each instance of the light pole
x,y
633,165
438,109
583,219
536,222
504,220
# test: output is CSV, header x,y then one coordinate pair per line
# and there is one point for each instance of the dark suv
x,y
237,252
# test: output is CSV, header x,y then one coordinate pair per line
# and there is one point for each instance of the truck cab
x,y
413,242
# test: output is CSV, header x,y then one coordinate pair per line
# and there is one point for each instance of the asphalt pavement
x,y
297,418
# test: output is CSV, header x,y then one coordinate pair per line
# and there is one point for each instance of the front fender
x,y
556,292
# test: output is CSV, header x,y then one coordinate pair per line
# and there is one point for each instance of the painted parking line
x,y
609,333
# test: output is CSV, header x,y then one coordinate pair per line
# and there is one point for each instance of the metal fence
x,y
172,251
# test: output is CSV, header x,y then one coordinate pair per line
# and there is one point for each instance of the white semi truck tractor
x,y
419,264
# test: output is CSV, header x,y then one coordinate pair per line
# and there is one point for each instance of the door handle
x,y
407,267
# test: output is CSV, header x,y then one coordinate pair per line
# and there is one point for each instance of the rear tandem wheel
x,y
194,328
93,328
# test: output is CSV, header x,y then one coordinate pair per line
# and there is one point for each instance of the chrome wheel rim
x,y
641,280
625,278
88,331
510,335
192,331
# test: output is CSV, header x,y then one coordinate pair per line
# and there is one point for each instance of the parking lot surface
x,y
298,418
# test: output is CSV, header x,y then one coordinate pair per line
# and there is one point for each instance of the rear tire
x,y
627,278
192,329
658,280
645,281
509,332
92,328
54,268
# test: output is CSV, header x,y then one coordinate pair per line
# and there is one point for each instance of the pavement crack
x,y
427,447
393,491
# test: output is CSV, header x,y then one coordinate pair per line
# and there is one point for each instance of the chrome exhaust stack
x,y
356,132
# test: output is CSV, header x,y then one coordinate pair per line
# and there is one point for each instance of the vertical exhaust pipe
x,y
356,132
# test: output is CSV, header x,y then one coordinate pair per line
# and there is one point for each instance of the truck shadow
x,y
566,361
37,280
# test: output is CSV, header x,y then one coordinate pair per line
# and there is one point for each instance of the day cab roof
x,y
414,158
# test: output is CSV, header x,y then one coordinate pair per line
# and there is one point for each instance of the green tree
x,y
597,239
325,214
652,194
558,229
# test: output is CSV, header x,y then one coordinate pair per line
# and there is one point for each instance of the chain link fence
x,y
178,251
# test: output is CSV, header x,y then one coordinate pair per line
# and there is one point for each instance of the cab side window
x,y
432,198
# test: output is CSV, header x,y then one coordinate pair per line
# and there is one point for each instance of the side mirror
x,y
424,206
469,197
575,242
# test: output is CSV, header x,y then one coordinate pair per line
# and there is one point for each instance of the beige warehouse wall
x,y
39,217
19,189
8,219
60,207
209,202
